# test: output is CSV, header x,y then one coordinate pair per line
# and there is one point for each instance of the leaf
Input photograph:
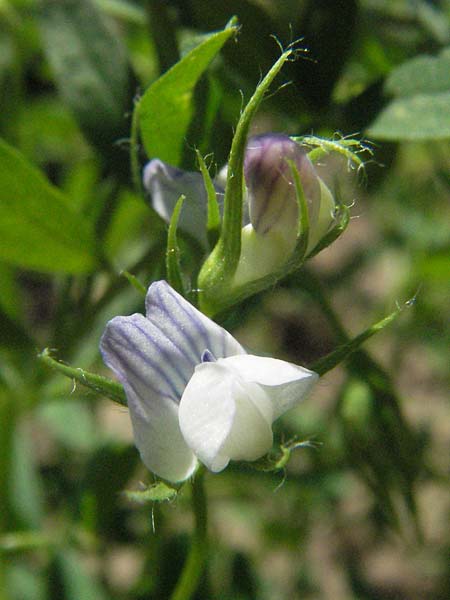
x,y
173,269
38,228
421,117
342,352
154,493
166,108
420,109
421,75
89,64
10,300
214,219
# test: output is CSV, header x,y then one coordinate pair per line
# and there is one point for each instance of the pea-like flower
x,y
193,392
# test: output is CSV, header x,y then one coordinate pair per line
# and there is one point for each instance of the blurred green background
x,y
362,515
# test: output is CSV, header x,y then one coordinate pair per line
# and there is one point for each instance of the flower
x,y
193,392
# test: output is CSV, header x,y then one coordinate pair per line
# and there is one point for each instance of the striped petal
x,y
186,327
153,382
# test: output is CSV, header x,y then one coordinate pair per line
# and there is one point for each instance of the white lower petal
x,y
285,384
158,438
223,418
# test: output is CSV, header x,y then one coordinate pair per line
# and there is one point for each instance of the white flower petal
x,y
158,438
262,254
151,370
285,383
224,418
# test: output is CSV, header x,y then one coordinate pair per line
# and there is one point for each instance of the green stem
x,y
232,211
193,568
221,264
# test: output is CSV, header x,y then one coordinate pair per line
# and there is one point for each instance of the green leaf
x,y
154,493
24,582
421,75
342,352
89,64
10,299
278,459
38,228
102,385
420,109
303,213
173,268
213,221
166,108
421,117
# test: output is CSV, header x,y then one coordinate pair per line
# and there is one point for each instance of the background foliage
x,y
363,515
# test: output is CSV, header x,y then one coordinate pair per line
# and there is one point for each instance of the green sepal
x,y
277,460
134,281
342,352
173,269
303,216
157,492
342,221
102,385
213,219
349,148
221,264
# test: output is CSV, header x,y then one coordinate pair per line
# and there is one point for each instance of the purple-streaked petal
x,y
153,380
271,193
187,328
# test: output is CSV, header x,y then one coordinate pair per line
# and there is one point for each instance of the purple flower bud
x,y
271,191
272,234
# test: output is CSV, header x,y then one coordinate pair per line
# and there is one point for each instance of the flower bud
x,y
270,238
271,192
